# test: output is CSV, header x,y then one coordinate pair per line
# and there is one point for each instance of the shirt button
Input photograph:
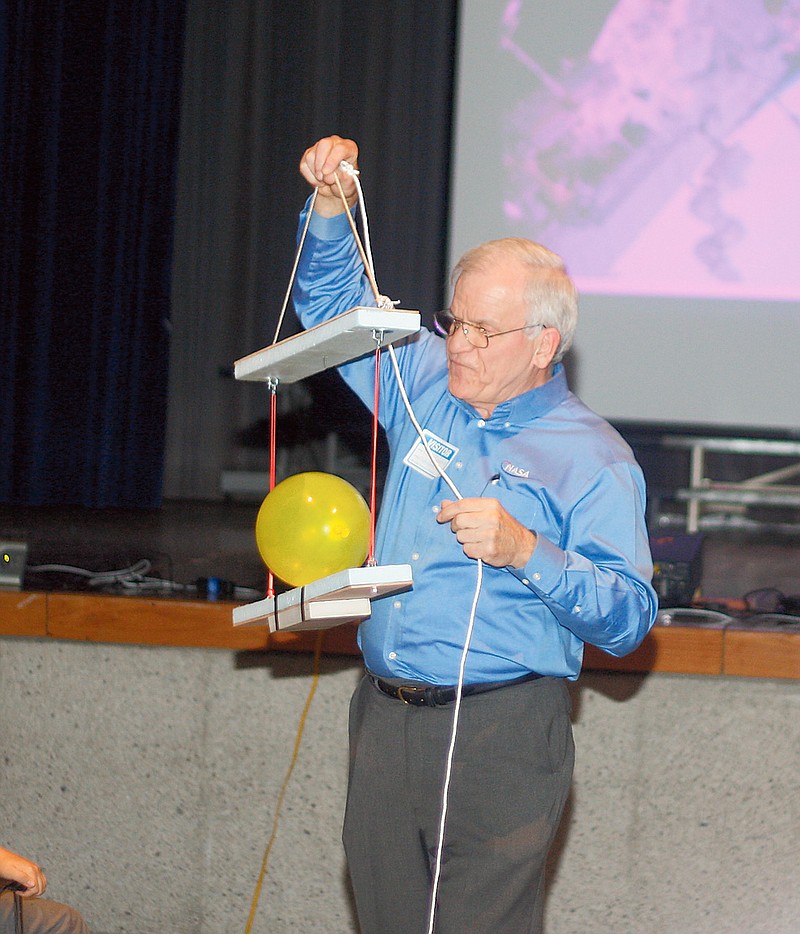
x,y
537,576
434,509
507,425
481,423
393,655
397,604
415,556
577,609
525,581
459,465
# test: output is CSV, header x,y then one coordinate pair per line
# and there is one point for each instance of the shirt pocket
x,y
530,506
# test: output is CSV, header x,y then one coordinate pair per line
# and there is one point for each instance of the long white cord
x,y
386,302
417,426
463,662
451,751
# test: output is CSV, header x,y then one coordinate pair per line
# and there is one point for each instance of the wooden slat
x,y
139,620
680,649
23,614
762,654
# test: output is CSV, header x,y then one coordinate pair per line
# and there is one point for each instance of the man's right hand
x,y
319,167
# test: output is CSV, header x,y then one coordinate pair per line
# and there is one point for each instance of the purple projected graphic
x,y
666,158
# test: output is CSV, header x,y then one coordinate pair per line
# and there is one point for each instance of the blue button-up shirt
x,y
553,464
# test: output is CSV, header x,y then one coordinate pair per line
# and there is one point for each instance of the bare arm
x,y
17,868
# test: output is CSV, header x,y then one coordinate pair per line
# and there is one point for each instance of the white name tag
x,y
420,456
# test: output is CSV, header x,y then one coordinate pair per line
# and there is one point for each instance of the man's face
x,y
512,363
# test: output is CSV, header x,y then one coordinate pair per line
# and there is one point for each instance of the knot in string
x,y
348,168
387,304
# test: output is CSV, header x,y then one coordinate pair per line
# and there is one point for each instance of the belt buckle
x,y
412,690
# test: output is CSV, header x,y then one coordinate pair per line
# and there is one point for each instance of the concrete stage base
x,y
145,779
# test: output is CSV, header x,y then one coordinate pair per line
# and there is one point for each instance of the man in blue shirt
x,y
552,503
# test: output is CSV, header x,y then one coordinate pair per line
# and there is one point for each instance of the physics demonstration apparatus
x,y
346,595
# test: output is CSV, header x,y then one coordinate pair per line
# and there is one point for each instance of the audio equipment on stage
x,y
677,568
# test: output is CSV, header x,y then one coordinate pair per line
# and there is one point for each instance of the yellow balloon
x,y
311,525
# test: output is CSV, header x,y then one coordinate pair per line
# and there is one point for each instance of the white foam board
x,y
330,601
347,336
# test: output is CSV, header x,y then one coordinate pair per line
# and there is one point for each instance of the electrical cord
x,y
464,653
385,302
699,615
685,614
135,578
770,619
132,575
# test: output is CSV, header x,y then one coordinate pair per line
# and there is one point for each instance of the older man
x,y
552,502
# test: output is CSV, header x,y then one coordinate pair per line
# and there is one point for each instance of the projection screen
x,y
655,145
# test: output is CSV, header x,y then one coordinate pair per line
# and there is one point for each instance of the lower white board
x,y
331,601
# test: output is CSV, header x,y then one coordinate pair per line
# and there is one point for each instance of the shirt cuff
x,y
545,567
329,228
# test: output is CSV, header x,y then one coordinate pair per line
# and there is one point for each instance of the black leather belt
x,y
438,695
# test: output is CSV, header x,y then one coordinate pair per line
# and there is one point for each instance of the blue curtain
x,y
88,151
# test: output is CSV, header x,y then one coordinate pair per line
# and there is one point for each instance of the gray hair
x,y
550,294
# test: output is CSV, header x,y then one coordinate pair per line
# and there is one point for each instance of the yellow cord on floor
x,y
293,762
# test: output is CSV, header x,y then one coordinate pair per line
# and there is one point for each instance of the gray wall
x,y
145,781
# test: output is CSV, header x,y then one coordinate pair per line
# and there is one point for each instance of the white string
x,y
296,263
462,664
353,172
417,425
349,170
383,301
386,303
451,751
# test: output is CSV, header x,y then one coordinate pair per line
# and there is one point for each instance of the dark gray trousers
x,y
40,916
511,776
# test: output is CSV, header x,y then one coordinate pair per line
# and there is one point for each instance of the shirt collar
x,y
533,404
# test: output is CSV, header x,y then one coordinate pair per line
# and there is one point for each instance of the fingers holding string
x,y
320,165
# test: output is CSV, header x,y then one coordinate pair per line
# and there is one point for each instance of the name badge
x,y
421,456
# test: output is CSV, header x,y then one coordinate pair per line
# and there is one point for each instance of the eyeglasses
x,y
446,325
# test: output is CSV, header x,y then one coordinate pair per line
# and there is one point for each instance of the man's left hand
x,y
486,531
18,869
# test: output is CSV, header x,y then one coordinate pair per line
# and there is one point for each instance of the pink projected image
x,y
664,159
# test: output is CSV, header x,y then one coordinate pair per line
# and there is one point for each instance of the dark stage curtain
x,y
88,153
263,80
